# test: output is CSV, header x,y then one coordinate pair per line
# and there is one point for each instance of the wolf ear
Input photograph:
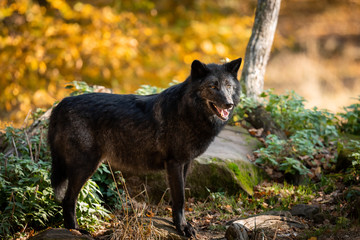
x,y
233,66
198,70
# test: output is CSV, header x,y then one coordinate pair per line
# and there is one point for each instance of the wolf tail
x,y
59,178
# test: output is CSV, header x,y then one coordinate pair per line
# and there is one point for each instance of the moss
x,y
233,167
247,175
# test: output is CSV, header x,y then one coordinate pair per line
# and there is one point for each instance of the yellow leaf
x,y
150,214
42,67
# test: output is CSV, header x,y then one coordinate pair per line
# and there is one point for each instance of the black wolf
x,y
141,133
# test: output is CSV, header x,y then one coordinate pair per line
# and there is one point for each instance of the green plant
x,y
104,180
289,112
271,153
351,118
79,87
148,90
342,223
245,105
353,172
356,161
90,210
26,197
311,132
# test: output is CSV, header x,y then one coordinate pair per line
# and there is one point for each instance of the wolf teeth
x,y
223,112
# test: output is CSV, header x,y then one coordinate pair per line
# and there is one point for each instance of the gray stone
x,y
225,165
318,218
303,210
60,234
236,232
278,213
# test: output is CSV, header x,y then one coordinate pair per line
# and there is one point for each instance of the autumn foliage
x,y
121,46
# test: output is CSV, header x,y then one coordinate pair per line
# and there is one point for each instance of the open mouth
x,y
222,113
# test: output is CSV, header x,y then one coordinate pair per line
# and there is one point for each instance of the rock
x,y
223,167
303,210
264,226
318,218
60,234
236,232
286,214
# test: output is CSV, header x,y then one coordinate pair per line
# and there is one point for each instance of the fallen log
x,y
260,226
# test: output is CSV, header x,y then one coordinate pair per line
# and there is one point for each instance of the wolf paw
x,y
187,230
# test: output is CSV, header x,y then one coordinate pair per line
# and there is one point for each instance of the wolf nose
x,y
229,105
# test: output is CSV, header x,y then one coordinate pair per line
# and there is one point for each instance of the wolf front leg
x,y
176,178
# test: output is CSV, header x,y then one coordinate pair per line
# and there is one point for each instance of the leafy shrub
x,y
148,90
26,197
353,172
90,210
351,119
311,133
289,112
79,87
285,155
107,186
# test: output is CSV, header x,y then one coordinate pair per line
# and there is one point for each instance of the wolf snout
x,y
229,106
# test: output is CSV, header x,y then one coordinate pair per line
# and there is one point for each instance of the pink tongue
x,y
224,113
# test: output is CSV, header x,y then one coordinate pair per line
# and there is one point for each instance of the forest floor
x,y
338,218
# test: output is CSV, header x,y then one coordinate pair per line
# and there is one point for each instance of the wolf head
x,y
217,87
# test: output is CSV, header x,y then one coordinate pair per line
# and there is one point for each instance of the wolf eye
x,y
215,85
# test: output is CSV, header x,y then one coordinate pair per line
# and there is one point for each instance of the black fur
x,y
141,133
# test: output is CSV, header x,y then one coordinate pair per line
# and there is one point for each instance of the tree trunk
x,y
259,46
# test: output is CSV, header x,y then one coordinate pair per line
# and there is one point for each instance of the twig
x,y
277,228
161,200
37,154
127,197
26,119
29,144
12,198
23,230
36,190
131,204
16,151
143,191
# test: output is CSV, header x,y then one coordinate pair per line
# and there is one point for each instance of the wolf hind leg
x,y
59,177
78,176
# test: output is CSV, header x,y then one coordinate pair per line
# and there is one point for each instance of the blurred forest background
x,y
45,44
